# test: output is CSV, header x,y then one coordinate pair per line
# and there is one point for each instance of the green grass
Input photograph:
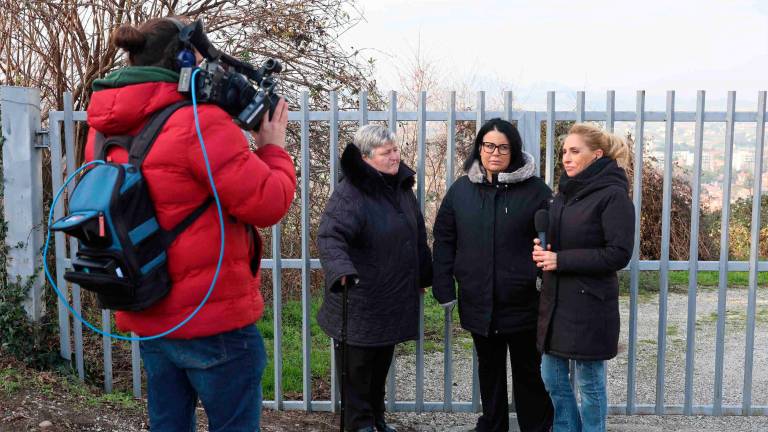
x,y
117,398
291,350
672,330
678,282
13,380
735,318
712,278
434,327
321,344
10,381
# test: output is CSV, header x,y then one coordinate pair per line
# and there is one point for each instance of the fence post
x,y
23,190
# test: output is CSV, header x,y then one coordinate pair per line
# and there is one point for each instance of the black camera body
x,y
227,82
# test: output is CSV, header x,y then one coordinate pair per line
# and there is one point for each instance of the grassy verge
x,y
678,280
15,379
292,348
292,375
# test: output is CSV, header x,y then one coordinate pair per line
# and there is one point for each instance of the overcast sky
x,y
530,47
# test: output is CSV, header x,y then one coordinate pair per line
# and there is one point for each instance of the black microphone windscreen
x,y
541,220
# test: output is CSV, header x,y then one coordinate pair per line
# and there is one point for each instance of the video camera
x,y
225,81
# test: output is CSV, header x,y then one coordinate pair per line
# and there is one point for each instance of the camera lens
x,y
272,66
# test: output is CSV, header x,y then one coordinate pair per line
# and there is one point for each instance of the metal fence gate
x,y
24,139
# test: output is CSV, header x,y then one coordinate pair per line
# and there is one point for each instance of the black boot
x,y
382,426
365,429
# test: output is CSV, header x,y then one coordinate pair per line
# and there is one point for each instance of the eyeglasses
x,y
491,147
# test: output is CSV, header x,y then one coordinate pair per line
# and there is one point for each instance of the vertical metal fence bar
x,y
693,258
448,334
57,178
277,314
333,163
334,144
754,254
391,374
717,400
508,107
69,139
450,154
136,367
480,119
610,119
549,173
666,213
106,341
610,110
421,191
634,279
480,111
306,301
421,141
393,112
530,129
363,108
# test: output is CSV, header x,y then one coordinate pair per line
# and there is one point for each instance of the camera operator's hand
x,y
272,131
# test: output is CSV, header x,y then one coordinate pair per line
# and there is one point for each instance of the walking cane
x,y
344,314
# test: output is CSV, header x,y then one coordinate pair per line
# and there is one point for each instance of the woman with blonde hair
x,y
591,227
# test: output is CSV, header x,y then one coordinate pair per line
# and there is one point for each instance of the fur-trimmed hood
x,y
365,177
476,172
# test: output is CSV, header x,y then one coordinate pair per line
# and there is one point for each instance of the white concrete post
x,y
23,190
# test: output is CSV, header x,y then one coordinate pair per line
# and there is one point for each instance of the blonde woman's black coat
x,y
591,227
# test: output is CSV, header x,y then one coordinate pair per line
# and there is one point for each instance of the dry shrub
x,y
680,218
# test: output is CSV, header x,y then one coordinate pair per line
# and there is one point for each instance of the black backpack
x,y
122,249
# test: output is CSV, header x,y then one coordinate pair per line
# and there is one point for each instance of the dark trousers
x,y
534,408
367,369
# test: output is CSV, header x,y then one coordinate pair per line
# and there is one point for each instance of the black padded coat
x,y
373,230
483,239
591,227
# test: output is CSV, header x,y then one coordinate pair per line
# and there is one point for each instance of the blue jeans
x,y
223,371
590,378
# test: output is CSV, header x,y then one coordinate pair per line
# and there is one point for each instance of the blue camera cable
x,y
221,249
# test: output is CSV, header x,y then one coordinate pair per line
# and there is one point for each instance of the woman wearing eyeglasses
x,y
482,236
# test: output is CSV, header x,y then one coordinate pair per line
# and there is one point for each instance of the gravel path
x,y
703,384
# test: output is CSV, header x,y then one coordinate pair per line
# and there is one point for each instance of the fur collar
x,y
365,177
476,172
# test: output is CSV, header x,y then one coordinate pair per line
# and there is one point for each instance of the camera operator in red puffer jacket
x,y
218,356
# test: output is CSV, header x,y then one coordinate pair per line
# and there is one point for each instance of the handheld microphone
x,y
541,222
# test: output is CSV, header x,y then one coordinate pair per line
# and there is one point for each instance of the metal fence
x,y
24,136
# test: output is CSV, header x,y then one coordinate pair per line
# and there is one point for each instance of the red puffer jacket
x,y
254,188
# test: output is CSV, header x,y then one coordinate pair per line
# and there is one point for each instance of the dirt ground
x,y
45,401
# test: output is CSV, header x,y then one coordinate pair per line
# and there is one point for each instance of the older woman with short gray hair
x,y
372,240
370,137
